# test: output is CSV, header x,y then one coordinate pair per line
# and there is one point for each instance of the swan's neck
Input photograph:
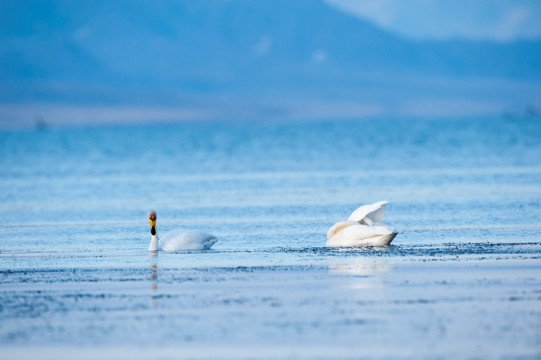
x,y
153,243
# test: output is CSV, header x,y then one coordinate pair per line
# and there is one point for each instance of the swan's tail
x,y
210,241
386,240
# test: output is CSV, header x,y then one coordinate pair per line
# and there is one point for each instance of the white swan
x,y
362,228
178,239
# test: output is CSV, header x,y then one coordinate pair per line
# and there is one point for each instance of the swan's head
x,y
152,221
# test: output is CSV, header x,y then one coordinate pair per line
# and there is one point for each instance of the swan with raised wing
x,y
178,239
362,228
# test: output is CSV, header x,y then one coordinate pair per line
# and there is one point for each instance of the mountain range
x,y
216,53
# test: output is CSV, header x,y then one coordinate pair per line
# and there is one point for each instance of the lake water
x,y
461,280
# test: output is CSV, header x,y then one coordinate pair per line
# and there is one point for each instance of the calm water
x,y
461,280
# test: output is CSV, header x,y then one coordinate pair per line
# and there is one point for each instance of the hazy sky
x,y
499,20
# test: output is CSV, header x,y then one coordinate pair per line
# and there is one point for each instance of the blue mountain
x,y
170,51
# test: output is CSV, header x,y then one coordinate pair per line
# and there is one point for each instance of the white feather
x,y
178,239
186,240
361,228
371,214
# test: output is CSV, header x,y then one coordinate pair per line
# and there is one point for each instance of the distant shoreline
x,y
24,116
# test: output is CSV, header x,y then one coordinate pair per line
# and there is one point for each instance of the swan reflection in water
x,y
154,273
360,273
153,284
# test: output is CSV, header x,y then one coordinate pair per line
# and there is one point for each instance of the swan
x,y
178,239
362,228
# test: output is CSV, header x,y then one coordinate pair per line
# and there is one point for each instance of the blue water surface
x,y
464,194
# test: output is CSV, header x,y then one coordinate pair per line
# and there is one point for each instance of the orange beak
x,y
152,226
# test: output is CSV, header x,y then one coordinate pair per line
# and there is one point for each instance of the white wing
x,y
187,240
371,214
